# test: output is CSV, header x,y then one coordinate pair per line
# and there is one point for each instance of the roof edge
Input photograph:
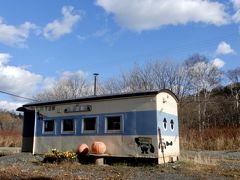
x,y
103,97
170,92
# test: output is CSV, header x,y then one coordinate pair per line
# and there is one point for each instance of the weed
x,y
59,156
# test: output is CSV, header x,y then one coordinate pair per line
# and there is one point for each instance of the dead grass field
x,y
26,166
210,139
190,139
10,139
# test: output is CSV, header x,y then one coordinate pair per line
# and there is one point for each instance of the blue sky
x,y
41,41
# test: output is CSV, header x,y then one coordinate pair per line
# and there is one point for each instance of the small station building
x,y
142,124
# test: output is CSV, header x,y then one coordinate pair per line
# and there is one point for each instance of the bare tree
x,y
9,122
182,81
204,76
152,75
113,86
68,87
234,77
138,79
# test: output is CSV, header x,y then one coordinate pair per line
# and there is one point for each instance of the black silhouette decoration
x,y
145,143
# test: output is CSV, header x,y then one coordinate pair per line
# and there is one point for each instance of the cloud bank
x,y
17,80
139,15
10,106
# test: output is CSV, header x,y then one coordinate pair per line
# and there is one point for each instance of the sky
x,y
42,41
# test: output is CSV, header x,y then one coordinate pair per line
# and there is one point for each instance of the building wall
x,y
142,117
137,138
28,131
167,111
105,106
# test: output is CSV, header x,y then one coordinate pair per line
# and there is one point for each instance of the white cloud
x,y
66,75
4,58
101,33
236,16
218,63
139,15
15,36
108,36
236,4
60,27
224,48
10,106
17,80
20,81
49,82
81,38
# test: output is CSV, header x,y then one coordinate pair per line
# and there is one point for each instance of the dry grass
x,y
211,139
66,170
208,139
10,139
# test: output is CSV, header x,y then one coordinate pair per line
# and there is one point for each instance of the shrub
x,y
59,156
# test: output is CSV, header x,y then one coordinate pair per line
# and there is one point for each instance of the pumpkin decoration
x,y
98,148
83,149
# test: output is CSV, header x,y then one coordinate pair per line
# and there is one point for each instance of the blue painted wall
x,y
135,123
168,117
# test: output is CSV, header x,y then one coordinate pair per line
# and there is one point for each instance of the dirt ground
x,y
192,165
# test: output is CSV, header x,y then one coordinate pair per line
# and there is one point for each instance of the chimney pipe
x,y
95,83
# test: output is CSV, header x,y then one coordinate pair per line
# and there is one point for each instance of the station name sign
x,y
78,108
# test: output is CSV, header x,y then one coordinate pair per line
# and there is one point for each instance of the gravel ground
x,y
225,165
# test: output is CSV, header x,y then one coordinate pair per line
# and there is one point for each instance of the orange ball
x,y
83,149
98,148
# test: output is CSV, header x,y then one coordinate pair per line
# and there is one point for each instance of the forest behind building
x,y
208,99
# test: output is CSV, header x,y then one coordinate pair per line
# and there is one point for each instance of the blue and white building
x,y
143,124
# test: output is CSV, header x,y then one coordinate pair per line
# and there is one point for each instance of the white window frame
x,y
48,132
90,131
121,130
68,132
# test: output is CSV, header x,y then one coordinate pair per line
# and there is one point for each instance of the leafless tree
x,y
9,122
204,76
234,77
113,86
152,75
69,87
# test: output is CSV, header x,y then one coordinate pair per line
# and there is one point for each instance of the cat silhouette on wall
x,y
145,144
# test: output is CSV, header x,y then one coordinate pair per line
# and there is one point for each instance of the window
x,y
165,124
114,123
171,125
48,126
68,125
89,124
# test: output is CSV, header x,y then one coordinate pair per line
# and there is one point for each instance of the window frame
x,y
121,130
48,132
90,131
68,132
